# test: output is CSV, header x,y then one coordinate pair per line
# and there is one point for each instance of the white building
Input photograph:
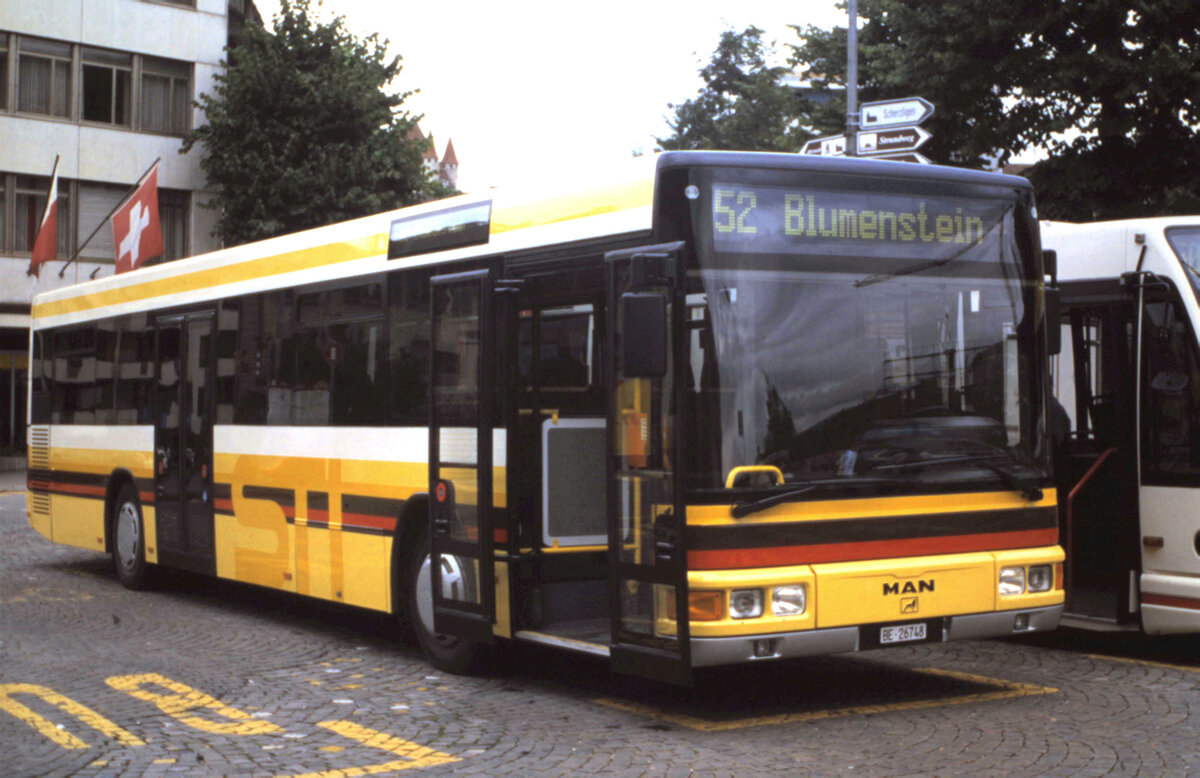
x,y
107,86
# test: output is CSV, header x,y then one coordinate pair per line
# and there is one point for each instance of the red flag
x,y
45,245
137,235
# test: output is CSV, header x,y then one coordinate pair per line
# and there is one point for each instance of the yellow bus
x,y
733,407
1128,381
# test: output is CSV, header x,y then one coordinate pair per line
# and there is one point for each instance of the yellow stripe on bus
x,y
506,218
207,277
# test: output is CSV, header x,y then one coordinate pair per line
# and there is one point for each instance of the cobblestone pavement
x,y
202,677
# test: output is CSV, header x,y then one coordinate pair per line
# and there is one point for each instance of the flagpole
x,y
104,221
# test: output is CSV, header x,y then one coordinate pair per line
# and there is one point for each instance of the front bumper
x,y
707,652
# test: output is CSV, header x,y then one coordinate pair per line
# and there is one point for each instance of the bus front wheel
x,y
129,540
449,653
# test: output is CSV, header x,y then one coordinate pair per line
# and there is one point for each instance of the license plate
x,y
901,634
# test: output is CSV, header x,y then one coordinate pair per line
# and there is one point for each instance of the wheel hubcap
x,y
128,536
452,588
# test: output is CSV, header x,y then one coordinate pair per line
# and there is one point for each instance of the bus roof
x,y
1103,249
520,219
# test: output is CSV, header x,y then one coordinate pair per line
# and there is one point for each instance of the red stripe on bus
x,y
90,491
1191,603
365,520
727,559
147,498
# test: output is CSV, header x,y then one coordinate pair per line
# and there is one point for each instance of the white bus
x,y
1128,377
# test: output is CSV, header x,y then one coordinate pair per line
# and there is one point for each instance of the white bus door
x,y
646,515
1169,494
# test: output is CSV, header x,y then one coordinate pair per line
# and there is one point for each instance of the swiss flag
x,y
137,235
45,245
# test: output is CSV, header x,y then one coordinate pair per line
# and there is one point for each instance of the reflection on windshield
x,y
1186,242
915,376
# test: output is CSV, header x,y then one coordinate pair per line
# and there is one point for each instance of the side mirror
x,y
1053,298
644,343
1050,265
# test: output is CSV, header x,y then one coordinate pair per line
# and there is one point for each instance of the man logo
x,y
908,605
908,587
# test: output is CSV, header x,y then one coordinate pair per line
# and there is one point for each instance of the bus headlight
x,y
745,603
1041,578
788,600
1012,581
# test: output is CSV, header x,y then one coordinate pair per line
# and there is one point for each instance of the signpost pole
x,y
852,80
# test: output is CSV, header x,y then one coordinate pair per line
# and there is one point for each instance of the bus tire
x,y
445,652
129,540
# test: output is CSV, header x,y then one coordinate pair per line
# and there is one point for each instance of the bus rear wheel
x,y
129,540
448,653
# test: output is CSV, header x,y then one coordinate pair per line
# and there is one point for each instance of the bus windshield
x,y
862,337
1186,243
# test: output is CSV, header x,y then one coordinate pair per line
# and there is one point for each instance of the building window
x,y
31,193
173,216
3,72
44,77
107,86
96,201
166,95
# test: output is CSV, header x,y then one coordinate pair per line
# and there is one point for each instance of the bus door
x,y
183,434
646,517
1096,462
1169,498
462,453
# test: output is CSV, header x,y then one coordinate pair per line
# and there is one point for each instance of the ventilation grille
x,y
39,470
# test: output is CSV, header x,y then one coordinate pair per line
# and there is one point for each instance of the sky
x,y
535,92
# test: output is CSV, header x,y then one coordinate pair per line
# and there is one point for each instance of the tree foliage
x,y
1109,88
302,130
742,106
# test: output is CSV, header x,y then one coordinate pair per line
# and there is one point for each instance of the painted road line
x,y
185,698
412,754
1005,690
49,729
1144,662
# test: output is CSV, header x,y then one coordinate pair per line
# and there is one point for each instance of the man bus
x,y
737,407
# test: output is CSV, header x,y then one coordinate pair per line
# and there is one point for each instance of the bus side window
x,y
1171,394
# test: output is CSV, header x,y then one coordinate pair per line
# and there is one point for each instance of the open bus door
x,y
1096,467
463,363
646,517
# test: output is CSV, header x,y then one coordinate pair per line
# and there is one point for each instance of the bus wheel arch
x,y
410,527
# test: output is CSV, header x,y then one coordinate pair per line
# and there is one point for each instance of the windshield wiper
x,y
740,509
1025,485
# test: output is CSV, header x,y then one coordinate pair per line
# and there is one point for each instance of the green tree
x,y
1109,88
742,106
302,130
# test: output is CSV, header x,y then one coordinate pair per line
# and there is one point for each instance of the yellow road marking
x,y
1006,690
84,714
186,698
413,755
1145,662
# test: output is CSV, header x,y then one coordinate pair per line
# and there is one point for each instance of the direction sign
x,y
909,156
896,139
895,113
832,146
